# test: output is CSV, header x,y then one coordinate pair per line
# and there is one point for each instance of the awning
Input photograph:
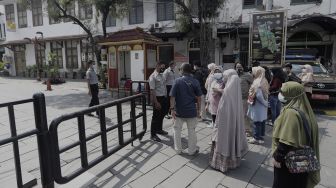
x,y
13,42
129,36
327,23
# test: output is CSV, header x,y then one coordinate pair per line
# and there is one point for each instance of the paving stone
x,y
124,177
238,178
201,162
151,179
181,178
175,163
209,178
151,162
328,177
263,177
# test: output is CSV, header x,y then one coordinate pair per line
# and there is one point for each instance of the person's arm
x,y
153,93
165,75
260,98
172,106
280,154
88,82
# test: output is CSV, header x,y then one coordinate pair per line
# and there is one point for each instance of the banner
x,y
268,37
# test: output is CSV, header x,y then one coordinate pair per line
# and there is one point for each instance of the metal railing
x,y
83,139
40,131
142,87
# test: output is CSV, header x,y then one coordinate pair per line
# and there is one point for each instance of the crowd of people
x,y
238,102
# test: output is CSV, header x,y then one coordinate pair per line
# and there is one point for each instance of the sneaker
x,y
253,141
210,125
195,153
261,141
155,138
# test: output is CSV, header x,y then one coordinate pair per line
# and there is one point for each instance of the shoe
x,y
195,153
91,115
168,117
261,141
210,125
155,138
253,141
163,133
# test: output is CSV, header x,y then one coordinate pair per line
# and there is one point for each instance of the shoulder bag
x,y
303,160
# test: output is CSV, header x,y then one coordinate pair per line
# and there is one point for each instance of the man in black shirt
x,y
290,75
200,75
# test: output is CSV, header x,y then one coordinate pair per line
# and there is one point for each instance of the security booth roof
x,y
129,36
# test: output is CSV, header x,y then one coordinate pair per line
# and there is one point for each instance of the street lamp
x,y
39,65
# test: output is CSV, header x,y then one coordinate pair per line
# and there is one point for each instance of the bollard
x,y
49,85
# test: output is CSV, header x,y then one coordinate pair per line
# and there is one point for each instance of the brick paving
x,y
146,164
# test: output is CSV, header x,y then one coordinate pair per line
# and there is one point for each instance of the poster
x,y
268,37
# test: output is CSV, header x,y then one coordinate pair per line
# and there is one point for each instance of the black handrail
x,y
145,90
85,165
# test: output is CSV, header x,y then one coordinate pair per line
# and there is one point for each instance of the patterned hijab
x,y
288,127
259,82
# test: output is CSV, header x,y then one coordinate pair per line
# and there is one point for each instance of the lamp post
x,y
38,63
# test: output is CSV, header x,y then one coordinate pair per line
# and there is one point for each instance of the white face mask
x,y
218,76
282,98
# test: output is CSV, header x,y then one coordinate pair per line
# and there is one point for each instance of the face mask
x,y
240,71
304,70
162,70
282,98
218,76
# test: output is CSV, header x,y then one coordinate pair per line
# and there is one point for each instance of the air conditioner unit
x,y
157,25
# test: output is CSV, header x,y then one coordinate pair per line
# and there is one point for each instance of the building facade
x,y
31,35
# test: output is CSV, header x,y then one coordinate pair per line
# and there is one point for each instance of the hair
x,y
289,65
171,63
256,64
235,65
159,63
90,62
197,63
186,68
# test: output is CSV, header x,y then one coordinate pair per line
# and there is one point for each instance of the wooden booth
x,y
131,55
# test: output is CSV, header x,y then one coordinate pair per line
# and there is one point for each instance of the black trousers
x,y
284,179
168,98
94,95
158,116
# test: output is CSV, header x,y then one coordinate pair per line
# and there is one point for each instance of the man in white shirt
x,y
92,80
169,76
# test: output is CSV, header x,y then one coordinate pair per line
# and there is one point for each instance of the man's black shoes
x,y
155,138
163,133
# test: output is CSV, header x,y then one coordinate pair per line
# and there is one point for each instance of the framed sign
x,y
112,60
268,37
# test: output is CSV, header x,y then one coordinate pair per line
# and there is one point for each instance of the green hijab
x,y
288,127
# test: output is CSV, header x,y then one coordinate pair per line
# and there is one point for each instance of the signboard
x,y
268,37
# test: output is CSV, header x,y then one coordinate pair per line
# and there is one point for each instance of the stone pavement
x,y
147,164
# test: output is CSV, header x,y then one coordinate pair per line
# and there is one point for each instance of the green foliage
x,y
2,65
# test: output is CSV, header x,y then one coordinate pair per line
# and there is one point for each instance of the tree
x,y
58,10
204,12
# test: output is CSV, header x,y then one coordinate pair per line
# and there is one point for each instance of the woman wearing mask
x,y
258,104
289,135
307,78
229,140
214,93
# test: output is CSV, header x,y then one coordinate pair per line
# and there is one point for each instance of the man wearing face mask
x,y
158,91
246,79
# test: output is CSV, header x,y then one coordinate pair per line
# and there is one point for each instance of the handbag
x,y
303,160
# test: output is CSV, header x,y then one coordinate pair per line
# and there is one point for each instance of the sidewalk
x,y
147,164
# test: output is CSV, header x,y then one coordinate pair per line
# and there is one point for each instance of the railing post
x,y
43,141
144,112
131,89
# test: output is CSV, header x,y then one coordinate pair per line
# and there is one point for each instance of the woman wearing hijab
x,y
214,93
307,78
229,140
258,104
289,134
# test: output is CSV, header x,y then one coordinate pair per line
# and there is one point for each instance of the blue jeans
x,y
259,130
275,105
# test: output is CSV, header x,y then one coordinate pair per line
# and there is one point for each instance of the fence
x,y
142,87
48,145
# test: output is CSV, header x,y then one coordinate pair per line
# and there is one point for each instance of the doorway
x,y
124,65
20,60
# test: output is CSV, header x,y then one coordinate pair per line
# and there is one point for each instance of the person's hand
x,y
173,113
157,105
276,164
207,107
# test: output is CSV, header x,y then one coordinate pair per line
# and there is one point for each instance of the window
x,y
37,12
56,48
304,1
87,51
51,19
165,10
110,21
70,9
40,54
71,54
10,17
194,8
252,3
85,11
136,12
22,15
